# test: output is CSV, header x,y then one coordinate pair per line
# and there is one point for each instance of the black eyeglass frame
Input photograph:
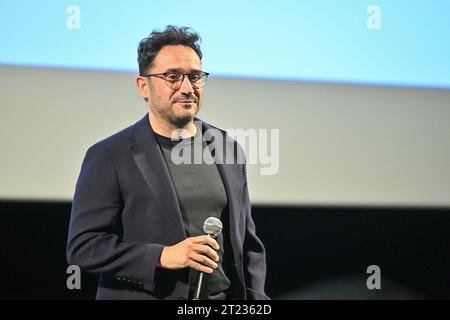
x,y
171,84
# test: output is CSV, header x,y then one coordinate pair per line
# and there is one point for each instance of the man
x,y
138,212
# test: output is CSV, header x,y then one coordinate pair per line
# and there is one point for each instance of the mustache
x,y
186,97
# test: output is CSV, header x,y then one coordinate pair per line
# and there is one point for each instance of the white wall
x,y
339,144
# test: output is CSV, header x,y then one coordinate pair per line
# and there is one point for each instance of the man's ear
x,y
143,88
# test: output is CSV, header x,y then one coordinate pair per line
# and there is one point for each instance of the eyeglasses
x,y
175,79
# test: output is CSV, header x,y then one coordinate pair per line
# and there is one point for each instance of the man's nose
x,y
186,86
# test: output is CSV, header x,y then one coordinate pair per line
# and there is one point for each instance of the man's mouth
x,y
186,101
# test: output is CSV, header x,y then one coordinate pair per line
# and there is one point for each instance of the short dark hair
x,y
172,35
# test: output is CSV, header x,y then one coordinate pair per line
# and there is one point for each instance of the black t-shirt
x,y
201,194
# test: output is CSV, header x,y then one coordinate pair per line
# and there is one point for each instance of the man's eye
x,y
173,76
195,77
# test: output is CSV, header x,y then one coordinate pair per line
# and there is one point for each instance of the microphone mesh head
x,y
212,226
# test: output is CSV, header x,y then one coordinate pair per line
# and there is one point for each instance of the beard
x,y
176,114
180,121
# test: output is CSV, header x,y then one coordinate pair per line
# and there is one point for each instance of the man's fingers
x,y
202,263
200,267
205,250
207,240
203,260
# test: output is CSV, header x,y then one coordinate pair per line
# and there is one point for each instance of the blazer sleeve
x,y
94,239
254,253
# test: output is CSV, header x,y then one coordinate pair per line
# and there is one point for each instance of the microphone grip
x,y
200,287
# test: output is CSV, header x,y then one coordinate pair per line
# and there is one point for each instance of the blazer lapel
x,y
149,159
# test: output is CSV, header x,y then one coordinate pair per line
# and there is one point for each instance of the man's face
x,y
177,107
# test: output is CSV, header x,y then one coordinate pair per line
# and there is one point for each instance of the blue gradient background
x,y
321,40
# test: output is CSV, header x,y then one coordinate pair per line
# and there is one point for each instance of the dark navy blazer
x,y
125,210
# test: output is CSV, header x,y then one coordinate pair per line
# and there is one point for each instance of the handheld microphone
x,y
212,227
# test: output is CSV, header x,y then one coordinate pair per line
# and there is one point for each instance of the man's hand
x,y
194,252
